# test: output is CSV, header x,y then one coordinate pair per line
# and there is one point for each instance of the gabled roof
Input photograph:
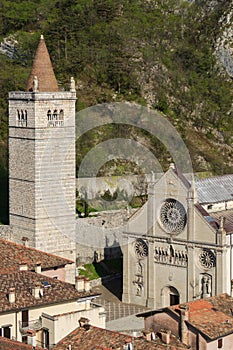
x,y
51,291
103,339
12,255
42,68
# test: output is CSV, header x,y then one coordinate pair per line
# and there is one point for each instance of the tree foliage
x,y
145,51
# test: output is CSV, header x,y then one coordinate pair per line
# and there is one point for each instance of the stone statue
x,y
72,84
35,84
206,286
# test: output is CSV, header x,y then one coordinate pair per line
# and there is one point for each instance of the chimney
x,y
166,337
23,266
36,290
79,283
38,267
82,321
149,334
128,344
184,316
25,241
87,286
11,295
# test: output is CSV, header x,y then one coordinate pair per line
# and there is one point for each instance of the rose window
x,y
141,248
173,216
207,258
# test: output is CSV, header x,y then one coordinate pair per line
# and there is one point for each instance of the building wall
x,y
42,172
174,264
57,318
67,322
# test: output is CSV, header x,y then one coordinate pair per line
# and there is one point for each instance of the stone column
x,y
220,271
192,284
126,271
151,279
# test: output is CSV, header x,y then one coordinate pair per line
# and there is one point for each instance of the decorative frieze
x,y
170,256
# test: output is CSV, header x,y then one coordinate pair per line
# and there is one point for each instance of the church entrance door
x,y
170,296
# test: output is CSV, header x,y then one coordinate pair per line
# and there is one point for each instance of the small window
x,y
24,339
61,114
55,114
220,343
22,118
7,332
49,114
209,206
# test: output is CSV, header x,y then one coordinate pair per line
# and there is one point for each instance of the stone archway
x,y
170,296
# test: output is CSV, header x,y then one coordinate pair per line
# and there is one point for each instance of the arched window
x,y
55,114
49,114
25,118
54,118
21,118
61,114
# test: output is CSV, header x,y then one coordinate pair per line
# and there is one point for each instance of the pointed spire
x,y
43,70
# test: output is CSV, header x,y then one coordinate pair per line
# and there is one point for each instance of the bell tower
x,y
42,162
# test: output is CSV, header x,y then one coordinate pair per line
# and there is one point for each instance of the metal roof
x,y
215,189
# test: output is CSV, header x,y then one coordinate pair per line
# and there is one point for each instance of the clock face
x,y
173,216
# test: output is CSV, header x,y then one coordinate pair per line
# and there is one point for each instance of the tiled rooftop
x,y
12,255
211,316
7,344
215,189
97,338
24,281
228,215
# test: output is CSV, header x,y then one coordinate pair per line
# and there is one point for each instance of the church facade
x,y
42,162
174,250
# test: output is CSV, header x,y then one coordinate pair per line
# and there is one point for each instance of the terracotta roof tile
x,y
12,255
24,281
97,338
211,316
42,68
7,344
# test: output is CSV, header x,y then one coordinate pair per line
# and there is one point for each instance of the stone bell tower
x,y
42,162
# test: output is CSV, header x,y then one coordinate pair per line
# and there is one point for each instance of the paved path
x,y
113,306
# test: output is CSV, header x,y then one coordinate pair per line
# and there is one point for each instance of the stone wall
x,y
6,232
133,185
